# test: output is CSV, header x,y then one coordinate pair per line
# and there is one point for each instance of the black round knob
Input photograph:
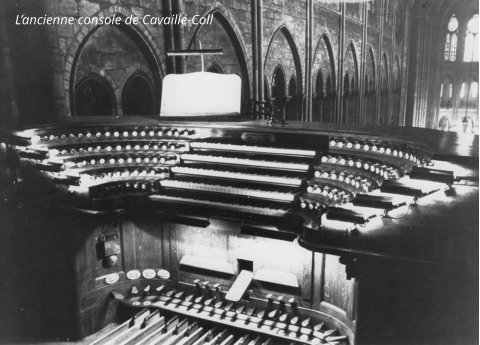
x,y
110,261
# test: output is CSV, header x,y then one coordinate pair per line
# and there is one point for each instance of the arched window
x,y
446,91
471,40
214,69
462,91
278,84
450,53
346,83
463,95
367,84
319,83
292,87
447,48
94,97
138,96
474,90
469,95
328,84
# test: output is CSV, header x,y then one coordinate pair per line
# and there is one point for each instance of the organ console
x,y
167,232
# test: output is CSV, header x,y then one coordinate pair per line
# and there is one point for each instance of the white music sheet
x,y
201,94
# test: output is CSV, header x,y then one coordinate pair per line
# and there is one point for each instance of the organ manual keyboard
x,y
172,232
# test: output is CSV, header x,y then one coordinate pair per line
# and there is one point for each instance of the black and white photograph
x,y
239,172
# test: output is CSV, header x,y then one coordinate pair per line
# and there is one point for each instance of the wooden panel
x,y
166,247
204,243
198,262
332,293
207,244
148,243
335,289
174,259
128,245
86,257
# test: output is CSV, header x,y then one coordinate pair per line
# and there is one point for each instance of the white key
x,y
256,149
238,176
245,162
229,190
220,205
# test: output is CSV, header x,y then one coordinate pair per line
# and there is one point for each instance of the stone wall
x,y
58,57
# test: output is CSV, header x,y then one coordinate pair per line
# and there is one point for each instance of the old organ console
x,y
146,231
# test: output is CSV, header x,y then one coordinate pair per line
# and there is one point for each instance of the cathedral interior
x,y
314,76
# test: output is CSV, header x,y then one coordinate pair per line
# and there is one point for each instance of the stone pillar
x,y
169,37
260,87
255,78
179,37
341,58
308,61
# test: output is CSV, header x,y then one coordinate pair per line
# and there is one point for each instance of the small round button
x,y
163,274
112,278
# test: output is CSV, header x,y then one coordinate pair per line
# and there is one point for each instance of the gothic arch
x,y
214,67
373,77
223,15
351,47
331,57
329,84
139,98
136,67
145,41
292,83
96,95
280,69
346,83
319,83
293,47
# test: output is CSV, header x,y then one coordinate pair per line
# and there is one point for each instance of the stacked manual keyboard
x,y
261,177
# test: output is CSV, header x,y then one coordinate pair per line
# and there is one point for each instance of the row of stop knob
x,y
312,205
380,169
154,132
128,186
125,160
348,178
368,146
126,147
128,173
329,192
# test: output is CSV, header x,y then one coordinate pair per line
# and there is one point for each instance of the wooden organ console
x,y
142,231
